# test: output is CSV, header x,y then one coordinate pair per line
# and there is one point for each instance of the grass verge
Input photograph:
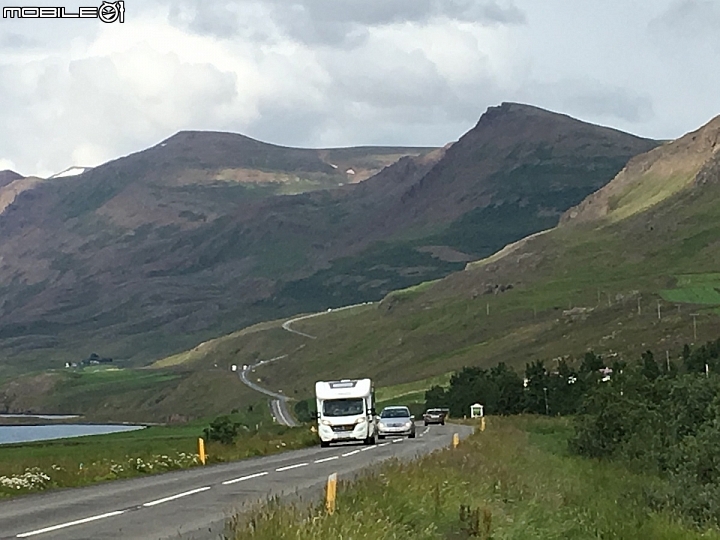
x,y
515,480
39,466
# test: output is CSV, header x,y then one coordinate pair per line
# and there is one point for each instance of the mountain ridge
x,y
147,254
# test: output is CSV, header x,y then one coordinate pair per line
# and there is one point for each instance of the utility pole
x,y
694,316
658,308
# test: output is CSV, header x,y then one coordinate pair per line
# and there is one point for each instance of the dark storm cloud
x,y
334,23
343,23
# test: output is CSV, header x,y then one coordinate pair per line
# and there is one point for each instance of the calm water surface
x,y
20,434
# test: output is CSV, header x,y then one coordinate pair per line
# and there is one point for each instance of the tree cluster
x,y
503,391
665,419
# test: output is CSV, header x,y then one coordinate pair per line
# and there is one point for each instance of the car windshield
x,y
343,407
434,411
395,413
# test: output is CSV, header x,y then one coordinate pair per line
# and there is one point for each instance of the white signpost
x,y
477,411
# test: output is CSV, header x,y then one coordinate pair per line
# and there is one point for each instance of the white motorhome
x,y
345,411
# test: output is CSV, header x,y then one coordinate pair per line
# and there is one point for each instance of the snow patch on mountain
x,y
71,171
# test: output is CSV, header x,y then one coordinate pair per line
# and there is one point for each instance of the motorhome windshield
x,y
343,407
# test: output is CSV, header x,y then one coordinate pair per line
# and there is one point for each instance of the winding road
x,y
279,402
195,504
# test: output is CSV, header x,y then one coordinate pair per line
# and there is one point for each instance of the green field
x,y
515,480
42,465
702,289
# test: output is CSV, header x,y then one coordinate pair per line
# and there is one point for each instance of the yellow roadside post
x,y
456,440
482,424
201,450
331,493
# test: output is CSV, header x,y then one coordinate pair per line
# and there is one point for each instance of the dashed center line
x,y
242,478
178,496
70,524
281,469
202,489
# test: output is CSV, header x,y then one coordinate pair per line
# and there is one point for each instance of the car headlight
x,y
381,423
326,423
360,420
408,424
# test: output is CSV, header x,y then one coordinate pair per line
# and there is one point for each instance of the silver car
x,y
396,421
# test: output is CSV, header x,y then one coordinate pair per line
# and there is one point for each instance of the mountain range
x,y
208,232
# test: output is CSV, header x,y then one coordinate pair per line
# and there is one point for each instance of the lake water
x,y
20,434
42,416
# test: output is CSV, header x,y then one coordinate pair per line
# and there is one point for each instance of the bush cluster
x,y
658,416
666,419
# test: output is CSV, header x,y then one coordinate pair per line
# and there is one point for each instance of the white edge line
x,y
367,448
248,477
173,497
323,460
384,444
281,469
70,524
397,440
351,453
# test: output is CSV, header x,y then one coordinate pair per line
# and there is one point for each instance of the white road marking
x,y
367,448
384,444
70,524
323,460
179,495
351,453
281,469
398,440
257,475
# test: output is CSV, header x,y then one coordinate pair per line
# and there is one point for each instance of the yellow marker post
x,y
331,493
482,424
201,450
456,440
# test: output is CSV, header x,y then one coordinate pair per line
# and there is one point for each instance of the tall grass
x,y
515,480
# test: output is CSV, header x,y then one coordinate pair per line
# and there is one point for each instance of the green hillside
x,y
589,284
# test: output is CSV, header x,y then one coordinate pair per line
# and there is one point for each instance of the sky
x,y
329,73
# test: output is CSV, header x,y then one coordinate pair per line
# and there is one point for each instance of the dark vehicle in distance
x,y
435,416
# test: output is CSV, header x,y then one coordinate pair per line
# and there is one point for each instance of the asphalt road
x,y
195,503
278,405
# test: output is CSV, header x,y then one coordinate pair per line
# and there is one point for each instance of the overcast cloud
x,y
354,72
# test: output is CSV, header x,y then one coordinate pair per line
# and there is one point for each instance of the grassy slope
x,y
663,255
666,254
516,479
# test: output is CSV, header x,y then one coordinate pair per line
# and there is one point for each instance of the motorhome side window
x,y
343,407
